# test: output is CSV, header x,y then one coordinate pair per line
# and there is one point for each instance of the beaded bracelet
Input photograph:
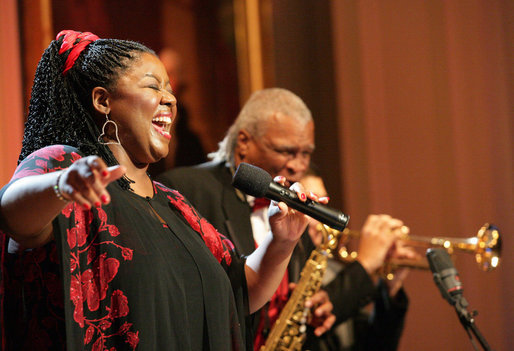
x,y
57,190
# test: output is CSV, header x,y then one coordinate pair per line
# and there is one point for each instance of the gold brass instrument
x,y
289,331
486,246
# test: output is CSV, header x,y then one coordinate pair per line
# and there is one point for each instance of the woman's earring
x,y
100,137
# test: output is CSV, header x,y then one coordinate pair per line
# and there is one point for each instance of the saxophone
x,y
289,331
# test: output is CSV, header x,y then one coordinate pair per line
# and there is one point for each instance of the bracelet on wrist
x,y
57,190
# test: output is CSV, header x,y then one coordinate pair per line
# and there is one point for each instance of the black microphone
x,y
257,182
447,280
445,275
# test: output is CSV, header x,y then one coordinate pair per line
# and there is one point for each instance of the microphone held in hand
x,y
446,276
257,182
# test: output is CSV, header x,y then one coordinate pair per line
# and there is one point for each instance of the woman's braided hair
x,y
61,110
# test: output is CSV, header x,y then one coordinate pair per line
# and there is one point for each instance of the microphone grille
x,y
251,180
439,260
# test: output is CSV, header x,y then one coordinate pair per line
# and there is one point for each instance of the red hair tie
x,y
70,37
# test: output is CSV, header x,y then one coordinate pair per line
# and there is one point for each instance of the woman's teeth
x,y
162,120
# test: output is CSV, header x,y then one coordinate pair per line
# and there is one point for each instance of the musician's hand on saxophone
x,y
322,318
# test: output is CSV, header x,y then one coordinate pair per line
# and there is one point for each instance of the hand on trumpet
x,y
380,241
400,251
377,237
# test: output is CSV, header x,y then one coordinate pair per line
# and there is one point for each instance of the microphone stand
x,y
468,322
467,319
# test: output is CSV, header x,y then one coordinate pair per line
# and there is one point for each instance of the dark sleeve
x,y
350,290
385,326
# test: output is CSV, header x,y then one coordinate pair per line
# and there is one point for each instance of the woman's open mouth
x,y
162,124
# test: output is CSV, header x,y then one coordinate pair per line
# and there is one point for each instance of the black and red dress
x,y
136,274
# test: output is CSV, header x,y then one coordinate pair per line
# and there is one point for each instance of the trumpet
x,y
486,246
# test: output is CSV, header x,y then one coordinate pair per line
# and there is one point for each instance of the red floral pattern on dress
x,y
91,269
90,283
133,339
220,246
54,154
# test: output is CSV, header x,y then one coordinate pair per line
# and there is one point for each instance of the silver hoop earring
x,y
100,137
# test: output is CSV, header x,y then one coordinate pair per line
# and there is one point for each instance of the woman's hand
x,y
30,204
85,181
266,266
286,223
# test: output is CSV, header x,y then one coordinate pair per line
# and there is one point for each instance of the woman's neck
x,y
141,183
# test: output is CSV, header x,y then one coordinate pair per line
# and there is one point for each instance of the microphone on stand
x,y
445,275
447,280
255,181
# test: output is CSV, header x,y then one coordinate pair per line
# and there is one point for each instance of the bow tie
x,y
259,203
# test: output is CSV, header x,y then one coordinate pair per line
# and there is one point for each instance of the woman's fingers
x,y
280,180
95,163
300,191
115,173
108,176
81,188
324,200
81,200
86,180
302,194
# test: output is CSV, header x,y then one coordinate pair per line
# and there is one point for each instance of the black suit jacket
x,y
209,188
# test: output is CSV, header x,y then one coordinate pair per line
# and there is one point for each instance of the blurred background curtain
x,y
11,93
425,113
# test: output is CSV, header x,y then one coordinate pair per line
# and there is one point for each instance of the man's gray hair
x,y
260,106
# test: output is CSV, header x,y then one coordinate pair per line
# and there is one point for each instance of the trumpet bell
x,y
488,247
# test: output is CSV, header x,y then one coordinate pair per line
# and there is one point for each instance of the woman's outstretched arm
x,y
29,204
